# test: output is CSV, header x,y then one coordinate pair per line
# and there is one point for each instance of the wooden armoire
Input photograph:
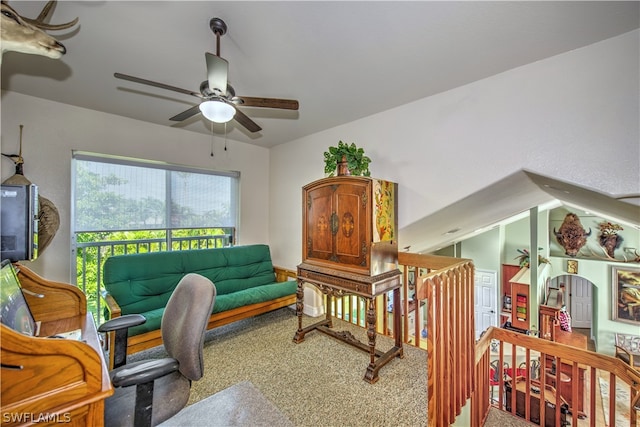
x,y
350,247
350,224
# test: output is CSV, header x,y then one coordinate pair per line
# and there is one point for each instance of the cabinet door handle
x,y
335,223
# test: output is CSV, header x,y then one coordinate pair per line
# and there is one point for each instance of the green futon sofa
x,y
246,282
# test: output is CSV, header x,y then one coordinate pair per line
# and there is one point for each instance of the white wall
x,y
52,130
564,117
573,117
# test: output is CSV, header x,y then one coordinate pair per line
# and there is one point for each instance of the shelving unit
x,y
523,307
520,298
508,272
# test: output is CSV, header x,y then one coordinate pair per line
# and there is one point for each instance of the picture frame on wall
x,y
625,283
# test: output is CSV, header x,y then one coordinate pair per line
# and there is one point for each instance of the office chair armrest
x,y
122,322
144,372
118,336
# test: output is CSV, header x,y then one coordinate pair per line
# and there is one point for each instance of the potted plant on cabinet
x,y
346,159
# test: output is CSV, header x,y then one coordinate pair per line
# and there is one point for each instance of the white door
x,y
581,304
486,297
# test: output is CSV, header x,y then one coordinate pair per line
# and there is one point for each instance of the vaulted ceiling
x,y
341,60
507,200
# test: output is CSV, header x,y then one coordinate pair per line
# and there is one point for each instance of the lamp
x,y
217,111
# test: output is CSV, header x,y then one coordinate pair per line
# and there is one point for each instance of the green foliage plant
x,y
524,258
357,162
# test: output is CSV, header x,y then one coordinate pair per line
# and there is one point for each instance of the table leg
x,y
301,332
378,359
299,336
371,375
397,320
371,328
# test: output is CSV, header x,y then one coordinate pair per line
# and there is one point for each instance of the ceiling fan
x,y
219,100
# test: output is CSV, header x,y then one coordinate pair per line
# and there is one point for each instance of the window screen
x,y
112,193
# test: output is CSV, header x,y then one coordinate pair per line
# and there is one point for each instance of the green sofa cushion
x,y
224,303
144,282
254,295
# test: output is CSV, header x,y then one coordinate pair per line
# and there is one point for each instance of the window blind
x,y
114,193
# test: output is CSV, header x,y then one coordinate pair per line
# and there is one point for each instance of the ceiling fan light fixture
x,y
217,111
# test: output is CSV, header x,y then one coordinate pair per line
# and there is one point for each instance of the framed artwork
x,y
626,294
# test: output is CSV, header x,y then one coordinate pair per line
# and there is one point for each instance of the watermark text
x,y
35,417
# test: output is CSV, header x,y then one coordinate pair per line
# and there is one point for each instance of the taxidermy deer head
x,y
26,35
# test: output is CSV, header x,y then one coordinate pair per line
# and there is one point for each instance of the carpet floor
x,y
318,382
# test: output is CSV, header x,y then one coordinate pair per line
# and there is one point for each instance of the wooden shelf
x,y
520,303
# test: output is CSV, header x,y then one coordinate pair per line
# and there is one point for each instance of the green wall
x,y
499,245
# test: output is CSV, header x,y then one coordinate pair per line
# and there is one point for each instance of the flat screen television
x,y
19,222
14,310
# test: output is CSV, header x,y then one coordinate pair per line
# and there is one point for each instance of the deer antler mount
x,y
25,35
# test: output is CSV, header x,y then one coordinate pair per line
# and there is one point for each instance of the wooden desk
x,y
337,283
566,385
534,403
50,381
550,330
577,340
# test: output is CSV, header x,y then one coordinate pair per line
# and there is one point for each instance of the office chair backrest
x,y
185,320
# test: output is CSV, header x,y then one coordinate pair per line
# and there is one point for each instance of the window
x,y
112,193
122,206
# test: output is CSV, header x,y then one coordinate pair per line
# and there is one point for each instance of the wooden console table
x,y
337,283
52,381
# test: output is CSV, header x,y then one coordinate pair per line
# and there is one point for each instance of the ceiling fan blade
x,y
186,114
248,101
217,71
245,121
156,84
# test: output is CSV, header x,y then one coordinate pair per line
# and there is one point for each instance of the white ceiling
x,y
508,200
341,60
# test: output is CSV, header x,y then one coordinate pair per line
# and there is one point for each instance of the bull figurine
x,y
572,235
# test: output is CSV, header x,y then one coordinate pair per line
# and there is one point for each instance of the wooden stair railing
x,y
457,366
444,287
515,349
447,287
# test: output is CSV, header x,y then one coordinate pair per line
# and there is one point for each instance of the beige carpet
x,y
318,382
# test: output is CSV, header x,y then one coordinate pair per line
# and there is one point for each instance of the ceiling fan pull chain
x,y
211,139
225,137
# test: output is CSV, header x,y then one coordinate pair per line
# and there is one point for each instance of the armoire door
x,y
351,218
318,227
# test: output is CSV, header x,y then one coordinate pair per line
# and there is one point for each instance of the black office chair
x,y
151,391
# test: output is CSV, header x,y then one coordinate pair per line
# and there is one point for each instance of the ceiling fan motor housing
x,y
218,26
